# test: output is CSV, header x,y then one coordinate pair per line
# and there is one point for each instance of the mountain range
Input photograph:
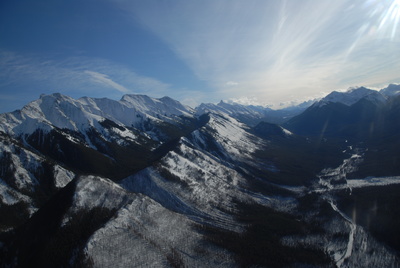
x,y
149,182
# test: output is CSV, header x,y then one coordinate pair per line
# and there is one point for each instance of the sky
x,y
263,52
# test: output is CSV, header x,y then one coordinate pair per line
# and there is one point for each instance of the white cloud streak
x,y
106,81
74,74
231,83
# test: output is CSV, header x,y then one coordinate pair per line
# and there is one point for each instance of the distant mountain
x,y
251,114
246,113
150,182
352,96
342,114
391,90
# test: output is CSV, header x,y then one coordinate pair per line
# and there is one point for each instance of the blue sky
x,y
255,51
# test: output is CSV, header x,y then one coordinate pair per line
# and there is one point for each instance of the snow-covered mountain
x,y
63,112
153,183
352,96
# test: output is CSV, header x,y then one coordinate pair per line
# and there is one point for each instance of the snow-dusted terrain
x,y
148,182
144,232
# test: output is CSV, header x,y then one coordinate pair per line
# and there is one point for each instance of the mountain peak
x,y
56,96
164,105
359,90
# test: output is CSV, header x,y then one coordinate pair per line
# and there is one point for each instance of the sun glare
x,y
384,17
390,18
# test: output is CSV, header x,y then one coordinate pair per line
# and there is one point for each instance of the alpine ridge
x,y
150,182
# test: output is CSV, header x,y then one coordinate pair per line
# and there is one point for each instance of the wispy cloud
x,y
105,80
76,74
231,83
276,49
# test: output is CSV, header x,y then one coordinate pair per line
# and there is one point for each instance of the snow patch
x,y
286,132
62,176
93,191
